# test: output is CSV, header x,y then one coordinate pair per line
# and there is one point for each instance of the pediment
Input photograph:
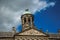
x,y
32,32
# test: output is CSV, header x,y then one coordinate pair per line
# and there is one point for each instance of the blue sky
x,y
48,19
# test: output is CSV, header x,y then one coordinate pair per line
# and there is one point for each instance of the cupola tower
x,y
27,20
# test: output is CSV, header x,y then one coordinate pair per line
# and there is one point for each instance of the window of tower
x,y
24,20
29,21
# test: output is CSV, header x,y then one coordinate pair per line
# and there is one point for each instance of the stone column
x,y
22,20
31,21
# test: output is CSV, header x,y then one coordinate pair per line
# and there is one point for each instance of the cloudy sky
x,y
11,11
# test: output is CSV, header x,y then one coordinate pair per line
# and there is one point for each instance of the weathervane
x,y
27,11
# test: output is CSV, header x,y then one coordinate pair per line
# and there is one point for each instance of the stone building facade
x,y
29,32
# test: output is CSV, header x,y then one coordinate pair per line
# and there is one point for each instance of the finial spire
x,y
47,31
14,30
27,11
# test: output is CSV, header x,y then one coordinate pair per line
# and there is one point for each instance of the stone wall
x,y
2,38
30,38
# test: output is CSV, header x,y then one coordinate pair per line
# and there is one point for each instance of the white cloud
x,y
11,11
52,3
